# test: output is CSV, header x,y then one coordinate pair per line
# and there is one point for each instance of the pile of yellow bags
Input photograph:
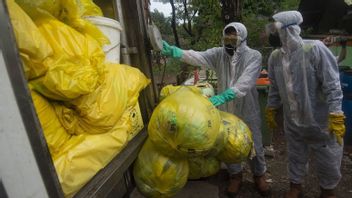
x,y
186,127
84,104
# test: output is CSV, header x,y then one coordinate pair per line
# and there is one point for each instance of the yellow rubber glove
x,y
337,126
270,117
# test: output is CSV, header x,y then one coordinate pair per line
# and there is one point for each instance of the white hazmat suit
x,y
239,73
305,80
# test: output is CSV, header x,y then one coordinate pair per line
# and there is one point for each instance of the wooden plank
x,y
135,25
119,190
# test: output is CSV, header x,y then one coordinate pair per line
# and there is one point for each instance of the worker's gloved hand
x,y
171,51
337,126
270,114
222,98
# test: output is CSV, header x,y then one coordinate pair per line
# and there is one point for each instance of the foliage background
x,y
199,24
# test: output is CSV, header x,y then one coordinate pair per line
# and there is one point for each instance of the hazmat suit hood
x,y
289,30
241,32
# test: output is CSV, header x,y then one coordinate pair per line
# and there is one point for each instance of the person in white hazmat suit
x,y
237,67
305,80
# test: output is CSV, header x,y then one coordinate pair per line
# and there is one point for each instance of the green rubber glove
x,y
172,51
222,98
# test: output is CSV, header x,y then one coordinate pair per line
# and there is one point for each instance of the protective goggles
x,y
231,40
273,28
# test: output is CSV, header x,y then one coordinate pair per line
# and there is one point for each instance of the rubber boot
x,y
235,184
295,191
327,193
261,185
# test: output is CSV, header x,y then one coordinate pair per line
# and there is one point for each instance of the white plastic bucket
x,y
111,29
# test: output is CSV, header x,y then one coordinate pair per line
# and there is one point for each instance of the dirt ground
x,y
277,175
215,186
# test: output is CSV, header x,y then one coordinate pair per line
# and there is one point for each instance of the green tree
x,y
256,14
199,23
163,23
198,27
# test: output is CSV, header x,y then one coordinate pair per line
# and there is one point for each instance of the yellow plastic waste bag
x,y
68,42
131,118
167,90
200,167
77,65
184,124
239,142
84,155
221,141
100,110
51,6
68,117
135,121
170,89
73,14
54,133
66,81
158,176
135,81
34,49
89,8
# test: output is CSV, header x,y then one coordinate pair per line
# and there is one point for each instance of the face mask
x,y
274,40
230,49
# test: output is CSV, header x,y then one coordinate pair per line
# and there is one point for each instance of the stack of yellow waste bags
x,y
188,138
86,106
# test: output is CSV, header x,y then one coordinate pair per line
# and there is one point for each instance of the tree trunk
x,y
231,10
173,23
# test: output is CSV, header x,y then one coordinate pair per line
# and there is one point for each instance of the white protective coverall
x,y
305,80
238,72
